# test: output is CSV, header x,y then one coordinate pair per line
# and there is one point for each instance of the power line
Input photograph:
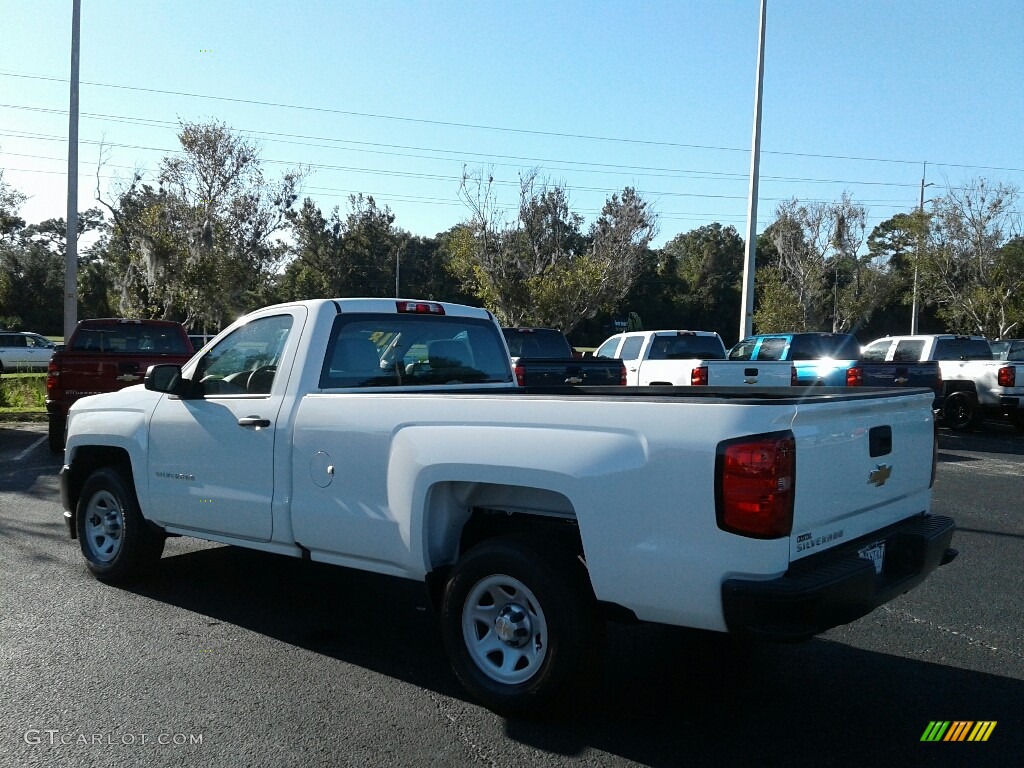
x,y
481,127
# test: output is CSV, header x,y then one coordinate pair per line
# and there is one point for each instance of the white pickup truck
x,y
389,435
974,385
689,358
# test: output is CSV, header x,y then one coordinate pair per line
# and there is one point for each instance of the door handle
x,y
253,421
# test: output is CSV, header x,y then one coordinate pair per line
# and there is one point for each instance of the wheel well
x,y
90,458
461,515
951,387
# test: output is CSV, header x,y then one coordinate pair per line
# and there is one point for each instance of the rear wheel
x,y
117,542
521,625
960,411
1017,417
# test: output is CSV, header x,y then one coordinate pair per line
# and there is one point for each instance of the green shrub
x,y
23,391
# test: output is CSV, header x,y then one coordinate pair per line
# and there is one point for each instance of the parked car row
x,y
971,377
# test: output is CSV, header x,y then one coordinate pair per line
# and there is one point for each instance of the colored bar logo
x,y
958,730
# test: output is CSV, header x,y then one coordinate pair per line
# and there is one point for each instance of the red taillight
x,y
52,377
420,307
520,375
854,377
699,376
793,378
622,375
1007,376
754,485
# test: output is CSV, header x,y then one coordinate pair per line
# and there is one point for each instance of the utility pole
x,y
747,310
917,256
71,252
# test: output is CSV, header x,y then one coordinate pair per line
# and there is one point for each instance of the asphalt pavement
x,y
232,657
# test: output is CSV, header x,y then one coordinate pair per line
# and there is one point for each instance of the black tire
x,y
521,625
960,412
117,542
1017,418
56,434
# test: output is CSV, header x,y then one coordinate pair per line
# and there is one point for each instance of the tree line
x,y
212,236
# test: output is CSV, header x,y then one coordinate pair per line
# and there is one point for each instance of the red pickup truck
x,y
105,355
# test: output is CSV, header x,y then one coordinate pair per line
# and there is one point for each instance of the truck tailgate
x,y
859,470
88,374
754,373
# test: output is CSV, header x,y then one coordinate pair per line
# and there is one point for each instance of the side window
x,y
631,347
245,362
908,351
743,350
608,348
876,350
771,349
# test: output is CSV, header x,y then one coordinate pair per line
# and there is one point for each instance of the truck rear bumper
x,y
838,586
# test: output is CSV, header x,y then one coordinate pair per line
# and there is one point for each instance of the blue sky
x,y
397,97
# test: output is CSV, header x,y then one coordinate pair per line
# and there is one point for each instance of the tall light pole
x,y
920,245
747,311
71,236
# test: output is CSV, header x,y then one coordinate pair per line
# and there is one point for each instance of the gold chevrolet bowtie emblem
x,y
880,474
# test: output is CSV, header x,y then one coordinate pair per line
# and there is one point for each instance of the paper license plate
x,y
875,553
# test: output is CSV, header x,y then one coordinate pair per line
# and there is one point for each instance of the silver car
x,y
24,351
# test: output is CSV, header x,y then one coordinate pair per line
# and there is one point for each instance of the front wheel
x,y
960,411
117,542
520,625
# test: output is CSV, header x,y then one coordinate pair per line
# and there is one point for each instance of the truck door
x,y
630,356
211,456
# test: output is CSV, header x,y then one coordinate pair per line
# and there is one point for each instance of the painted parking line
x,y
31,448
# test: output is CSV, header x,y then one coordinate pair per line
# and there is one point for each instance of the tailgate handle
x,y
880,441
253,421
127,367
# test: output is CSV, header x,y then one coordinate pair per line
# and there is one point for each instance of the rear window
x,y
962,348
371,350
686,347
537,342
837,346
131,338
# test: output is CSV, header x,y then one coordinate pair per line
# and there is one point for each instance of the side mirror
x,y
167,379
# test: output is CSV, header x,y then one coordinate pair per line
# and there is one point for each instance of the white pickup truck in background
x,y
689,358
974,384
389,435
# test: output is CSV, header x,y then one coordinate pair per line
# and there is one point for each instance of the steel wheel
x,y
103,526
521,626
117,542
504,629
